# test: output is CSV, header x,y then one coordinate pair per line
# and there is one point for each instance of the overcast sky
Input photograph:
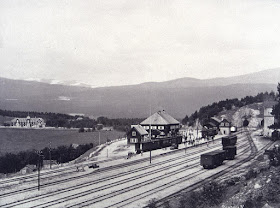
x,y
117,42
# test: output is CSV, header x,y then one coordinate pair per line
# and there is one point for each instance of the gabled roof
x,y
210,124
160,118
225,121
216,119
139,129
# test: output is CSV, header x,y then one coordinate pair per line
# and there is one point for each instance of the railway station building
x,y
157,131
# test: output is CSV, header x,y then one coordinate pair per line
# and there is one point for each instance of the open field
x,y
15,140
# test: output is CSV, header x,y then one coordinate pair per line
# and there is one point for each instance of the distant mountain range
x,y
178,97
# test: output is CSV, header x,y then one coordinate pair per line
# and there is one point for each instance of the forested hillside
x,y
206,112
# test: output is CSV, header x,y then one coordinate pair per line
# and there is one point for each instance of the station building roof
x,y
160,118
140,129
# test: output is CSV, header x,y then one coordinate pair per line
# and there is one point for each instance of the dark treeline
x,y
24,114
68,121
11,163
209,111
121,124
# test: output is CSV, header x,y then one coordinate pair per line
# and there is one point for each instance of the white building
x,y
268,120
28,122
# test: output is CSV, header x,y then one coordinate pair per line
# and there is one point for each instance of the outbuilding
x,y
225,127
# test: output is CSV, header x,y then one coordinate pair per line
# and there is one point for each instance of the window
x,y
154,127
133,133
161,127
133,140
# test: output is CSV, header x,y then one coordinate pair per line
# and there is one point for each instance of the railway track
x,y
98,171
254,153
103,170
98,181
97,199
50,173
116,193
60,172
163,187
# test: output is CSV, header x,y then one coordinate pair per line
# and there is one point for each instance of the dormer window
x,y
133,133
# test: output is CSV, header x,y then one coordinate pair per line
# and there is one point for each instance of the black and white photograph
x,y
139,103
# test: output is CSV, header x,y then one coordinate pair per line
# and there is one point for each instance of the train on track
x,y
216,158
275,135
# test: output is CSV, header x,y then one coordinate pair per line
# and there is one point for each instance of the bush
x,y
152,203
191,200
81,130
251,174
210,195
10,163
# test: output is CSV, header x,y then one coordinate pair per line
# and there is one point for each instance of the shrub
x,y
152,203
251,174
210,195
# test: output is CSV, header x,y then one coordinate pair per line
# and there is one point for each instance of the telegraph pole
x,y
150,133
39,166
50,154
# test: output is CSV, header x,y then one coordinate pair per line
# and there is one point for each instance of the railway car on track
x,y
230,152
229,140
275,135
212,159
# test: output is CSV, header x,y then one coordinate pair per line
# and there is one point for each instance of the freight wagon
x,y
158,144
212,159
229,140
230,152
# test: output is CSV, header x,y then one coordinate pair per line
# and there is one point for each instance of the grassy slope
x,y
15,140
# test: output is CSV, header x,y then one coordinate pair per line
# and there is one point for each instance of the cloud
x,y
124,42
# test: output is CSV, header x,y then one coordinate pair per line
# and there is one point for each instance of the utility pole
x,y
39,166
150,133
50,154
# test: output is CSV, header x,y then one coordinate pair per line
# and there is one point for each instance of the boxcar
x,y
212,159
230,152
229,140
275,135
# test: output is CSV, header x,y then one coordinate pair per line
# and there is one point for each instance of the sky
x,y
120,42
